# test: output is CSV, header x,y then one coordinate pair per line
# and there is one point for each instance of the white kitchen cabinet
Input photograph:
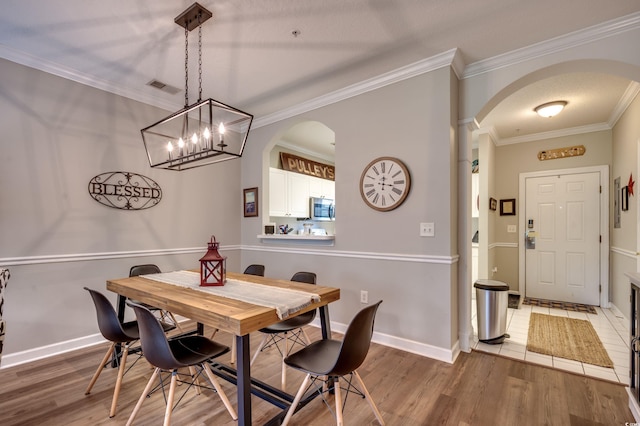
x,y
288,194
322,188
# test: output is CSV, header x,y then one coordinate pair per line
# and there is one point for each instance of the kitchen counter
x,y
297,237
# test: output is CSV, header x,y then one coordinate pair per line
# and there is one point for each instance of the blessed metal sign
x,y
125,191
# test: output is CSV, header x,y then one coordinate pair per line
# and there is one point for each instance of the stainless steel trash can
x,y
492,299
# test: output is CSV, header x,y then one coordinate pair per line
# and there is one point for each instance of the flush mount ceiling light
x,y
550,109
203,133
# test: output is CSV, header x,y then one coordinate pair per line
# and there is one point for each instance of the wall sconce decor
x,y
205,132
508,207
213,267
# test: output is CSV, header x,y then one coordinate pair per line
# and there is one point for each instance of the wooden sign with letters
x,y
293,163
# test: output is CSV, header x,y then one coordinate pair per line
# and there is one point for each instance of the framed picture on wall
x,y
624,199
493,204
508,207
250,202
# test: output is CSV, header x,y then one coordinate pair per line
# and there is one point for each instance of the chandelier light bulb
x,y
169,149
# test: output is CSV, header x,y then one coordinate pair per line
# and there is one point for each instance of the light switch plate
x,y
511,228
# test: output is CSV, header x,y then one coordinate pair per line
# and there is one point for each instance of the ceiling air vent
x,y
162,86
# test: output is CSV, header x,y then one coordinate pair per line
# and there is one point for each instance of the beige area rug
x,y
566,338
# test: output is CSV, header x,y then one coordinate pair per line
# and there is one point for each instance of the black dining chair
x,y
289,330
332,360
148,269
255,269
171,355
117,333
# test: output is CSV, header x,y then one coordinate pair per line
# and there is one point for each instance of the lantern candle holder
x,y
213,266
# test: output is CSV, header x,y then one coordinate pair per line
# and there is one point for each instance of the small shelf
x,y
297,237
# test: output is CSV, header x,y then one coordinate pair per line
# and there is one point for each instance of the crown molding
x,y
556,44
625,101
49,67
417,68
597,127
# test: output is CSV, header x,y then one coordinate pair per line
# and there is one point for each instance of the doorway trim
x,y
604,224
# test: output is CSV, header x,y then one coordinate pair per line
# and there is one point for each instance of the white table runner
x,y
284,301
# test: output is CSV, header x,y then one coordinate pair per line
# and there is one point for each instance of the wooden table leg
x,y
243,366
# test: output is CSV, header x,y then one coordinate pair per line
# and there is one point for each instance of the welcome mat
x,y
567,306
567,338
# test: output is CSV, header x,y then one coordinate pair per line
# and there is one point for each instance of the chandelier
x,y
203,133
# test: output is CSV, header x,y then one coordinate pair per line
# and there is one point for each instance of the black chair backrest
x,y
356,342
255,270
155,346
309,278
144,270
108,323
304,277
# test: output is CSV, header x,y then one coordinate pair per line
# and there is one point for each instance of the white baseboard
x,y
633,406
11,360
429,351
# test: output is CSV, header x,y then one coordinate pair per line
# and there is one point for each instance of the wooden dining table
x,y
234,316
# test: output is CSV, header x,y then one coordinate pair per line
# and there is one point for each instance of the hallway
x,y
611,326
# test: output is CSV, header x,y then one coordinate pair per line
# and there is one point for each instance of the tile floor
x,y
611,326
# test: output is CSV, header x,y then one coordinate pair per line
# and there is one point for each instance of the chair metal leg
x,y
145,392
221,393
100,368
194,378
296,400
368,398
175,321
306,336
116,390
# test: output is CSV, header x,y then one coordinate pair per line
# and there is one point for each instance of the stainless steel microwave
x,y
322,209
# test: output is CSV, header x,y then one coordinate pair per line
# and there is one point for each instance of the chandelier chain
x,y
186,66
199,58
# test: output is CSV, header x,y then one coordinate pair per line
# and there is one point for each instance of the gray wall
x,y
626,137
381,253
56,239
510,161
57,135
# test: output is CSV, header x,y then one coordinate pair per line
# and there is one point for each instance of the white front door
x,y
564,262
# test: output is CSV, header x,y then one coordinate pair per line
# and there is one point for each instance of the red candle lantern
x,y
213,267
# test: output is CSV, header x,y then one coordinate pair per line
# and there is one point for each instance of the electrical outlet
x,y
364,296
427,229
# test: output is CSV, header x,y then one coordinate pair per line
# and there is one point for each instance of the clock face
x,y
385,183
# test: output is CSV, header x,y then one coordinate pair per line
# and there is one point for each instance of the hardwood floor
x,y
410,390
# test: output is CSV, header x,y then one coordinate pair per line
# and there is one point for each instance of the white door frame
x,y
604,224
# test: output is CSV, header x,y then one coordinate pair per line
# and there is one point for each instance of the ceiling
x,y
266,56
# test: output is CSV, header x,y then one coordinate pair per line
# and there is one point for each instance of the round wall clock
x,y
385,183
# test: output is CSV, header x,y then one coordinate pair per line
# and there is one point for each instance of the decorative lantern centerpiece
x,y
213,267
